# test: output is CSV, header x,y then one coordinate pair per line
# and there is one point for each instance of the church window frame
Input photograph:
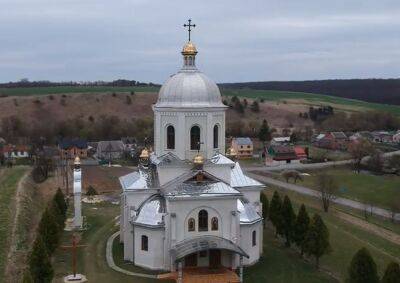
x,y
254,238
203,220
214,224
145,243
191,225
195,137
170,131
216,136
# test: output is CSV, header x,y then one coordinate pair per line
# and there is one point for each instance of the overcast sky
x,y
237,40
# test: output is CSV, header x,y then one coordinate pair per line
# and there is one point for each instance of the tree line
x,y
310,235
44,83
48,235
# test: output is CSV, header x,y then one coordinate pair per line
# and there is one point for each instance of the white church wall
x,y
153,258
251,194
218,207
246,242
166,174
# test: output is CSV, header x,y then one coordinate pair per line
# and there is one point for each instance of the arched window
x,y
203,220
145,243
254,238
170,137
191,224
195,138
216,136
214,224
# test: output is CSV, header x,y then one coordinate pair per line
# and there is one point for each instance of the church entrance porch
x,y
207,258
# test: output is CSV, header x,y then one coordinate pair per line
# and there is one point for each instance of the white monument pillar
x,y
77,194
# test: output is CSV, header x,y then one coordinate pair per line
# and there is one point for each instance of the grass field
x,y
364,187
8,183
312,99
345,238
71,89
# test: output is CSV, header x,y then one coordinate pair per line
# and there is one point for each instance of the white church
x,y
189,204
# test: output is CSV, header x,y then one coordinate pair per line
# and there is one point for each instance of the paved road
x,y
307,191
300,166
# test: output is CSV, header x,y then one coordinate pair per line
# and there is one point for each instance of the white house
x,y
188,204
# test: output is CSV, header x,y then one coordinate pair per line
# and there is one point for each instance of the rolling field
x,y
312,99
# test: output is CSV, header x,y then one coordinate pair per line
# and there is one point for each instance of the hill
x,y
385,91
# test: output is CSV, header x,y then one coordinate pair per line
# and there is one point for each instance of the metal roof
x,y
221,160
239,179
200,189
243,141
144,178
189,88
151,212
202,243
248,213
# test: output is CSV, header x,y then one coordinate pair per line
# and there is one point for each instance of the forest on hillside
x,y
385,91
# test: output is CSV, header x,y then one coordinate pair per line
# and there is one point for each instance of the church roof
x,y
248,214
151,212
221,160
205,242
239,179
144,178
202,189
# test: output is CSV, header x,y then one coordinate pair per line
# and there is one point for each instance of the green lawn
x,y
345,238
364,187
313,99
24,91
8,183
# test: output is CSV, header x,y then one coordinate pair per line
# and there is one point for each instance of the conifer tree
x,y
317,239
288,220
39,263
301,228
392,273
362,268
27,278
264,133
58,215
275,212
49,230
265,207
60,200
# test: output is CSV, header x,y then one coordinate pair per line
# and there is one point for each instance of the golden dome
x,y
144,154
189,49
77,160
198,159
231,152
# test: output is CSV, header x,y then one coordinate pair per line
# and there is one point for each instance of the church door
x,y
191,260
215,258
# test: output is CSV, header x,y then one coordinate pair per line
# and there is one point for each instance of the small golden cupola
x,y
198,160
231,153
144,154
189,50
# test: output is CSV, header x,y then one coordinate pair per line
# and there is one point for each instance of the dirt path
x,y
11,266
374,229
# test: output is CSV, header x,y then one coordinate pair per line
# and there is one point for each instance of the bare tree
x,y
358,151
288,174
327,188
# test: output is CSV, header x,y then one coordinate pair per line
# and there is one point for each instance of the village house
x,y
382,137
361,135
243,146
332,140
280,141
72,148
280,154
396,137
109,150
15,151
